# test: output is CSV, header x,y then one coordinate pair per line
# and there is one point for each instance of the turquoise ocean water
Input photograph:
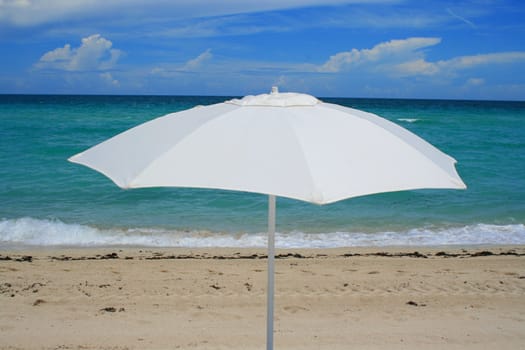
x,y
45,200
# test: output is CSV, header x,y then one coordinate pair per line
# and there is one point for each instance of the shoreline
x,y
260,253
215,298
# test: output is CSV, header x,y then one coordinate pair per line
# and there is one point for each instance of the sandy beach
x,y
377,298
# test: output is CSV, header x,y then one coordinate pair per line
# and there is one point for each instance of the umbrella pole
x,y
271,258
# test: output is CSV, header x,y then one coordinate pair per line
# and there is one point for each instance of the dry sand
x,y
445,298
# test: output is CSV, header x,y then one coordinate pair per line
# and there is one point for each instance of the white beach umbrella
x,y
281,144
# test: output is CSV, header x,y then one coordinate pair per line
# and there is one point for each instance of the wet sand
x,y
376,298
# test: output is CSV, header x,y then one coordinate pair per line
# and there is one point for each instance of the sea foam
x,y
38,232
408,120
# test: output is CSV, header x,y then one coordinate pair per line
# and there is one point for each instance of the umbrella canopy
x,y
285,144
280,144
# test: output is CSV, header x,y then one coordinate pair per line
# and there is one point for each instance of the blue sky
x,y
460,49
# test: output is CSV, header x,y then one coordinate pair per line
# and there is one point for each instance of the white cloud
x,y
464,62
198,61
35,12
157,71
390,51
415,67
95,53
453,65
475,82
403,58
57,55
175,70
108,78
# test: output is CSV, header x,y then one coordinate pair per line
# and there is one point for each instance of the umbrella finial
x,y
275,90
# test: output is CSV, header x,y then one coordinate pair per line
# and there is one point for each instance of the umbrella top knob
x,y
276,99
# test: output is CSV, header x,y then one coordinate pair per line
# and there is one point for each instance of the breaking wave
x,y
408,120
38,232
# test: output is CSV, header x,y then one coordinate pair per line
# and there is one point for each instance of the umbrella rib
x,y
308,167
